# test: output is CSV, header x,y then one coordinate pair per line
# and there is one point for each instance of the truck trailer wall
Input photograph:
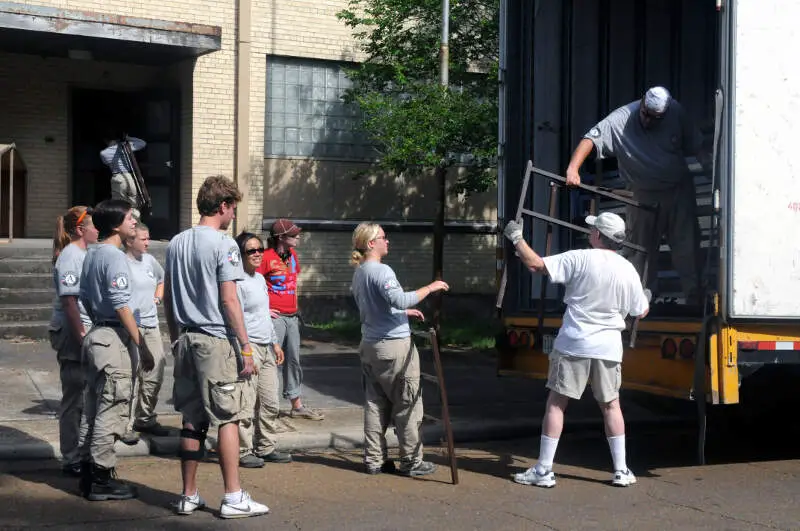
x,y
765,199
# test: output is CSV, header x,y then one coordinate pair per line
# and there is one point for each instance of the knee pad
x,y
197,435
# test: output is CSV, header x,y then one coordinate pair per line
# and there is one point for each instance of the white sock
x,y
194,497
617,446
547,452
233,497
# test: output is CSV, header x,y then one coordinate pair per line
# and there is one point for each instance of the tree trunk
x,y
438,242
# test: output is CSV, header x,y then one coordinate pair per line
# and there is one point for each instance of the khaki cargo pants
x,y
256,433
71,421
147,385
208,390
107,354
123,186
391,374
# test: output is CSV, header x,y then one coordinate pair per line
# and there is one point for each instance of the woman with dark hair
x,y
70,322
258,447
111,350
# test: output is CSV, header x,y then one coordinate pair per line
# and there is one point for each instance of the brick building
x,y
250,89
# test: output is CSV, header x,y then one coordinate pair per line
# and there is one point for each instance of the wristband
x,y
247,353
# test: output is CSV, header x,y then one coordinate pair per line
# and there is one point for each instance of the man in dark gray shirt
x,y
207,330
651,139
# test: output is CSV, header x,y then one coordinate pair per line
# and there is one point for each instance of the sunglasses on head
x,y
256,250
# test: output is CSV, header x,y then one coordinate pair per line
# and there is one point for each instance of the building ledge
x,y
49,31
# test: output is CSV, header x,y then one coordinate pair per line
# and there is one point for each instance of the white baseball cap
x,y
609,224
656,100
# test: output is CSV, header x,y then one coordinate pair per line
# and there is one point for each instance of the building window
x,y
305,114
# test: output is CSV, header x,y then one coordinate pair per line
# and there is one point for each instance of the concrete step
x,y
27,329
26,265
25,312
16,296
25,280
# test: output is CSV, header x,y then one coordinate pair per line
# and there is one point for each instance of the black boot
x,y
105,486
85,484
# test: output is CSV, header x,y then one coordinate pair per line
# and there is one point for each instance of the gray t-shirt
x,y
381,302
649,159
146,275
198,260
67,281
254,297
105,282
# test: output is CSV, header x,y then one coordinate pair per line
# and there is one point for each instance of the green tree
x,y
416,125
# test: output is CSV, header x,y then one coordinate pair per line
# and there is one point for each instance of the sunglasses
x,y
651,116
257,250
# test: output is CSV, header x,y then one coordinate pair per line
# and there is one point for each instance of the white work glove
x,y
513,231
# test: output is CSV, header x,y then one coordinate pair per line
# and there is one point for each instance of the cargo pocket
x,y
116,400
226,399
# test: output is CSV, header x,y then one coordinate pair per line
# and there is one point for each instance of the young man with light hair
x,y
209,338
602,289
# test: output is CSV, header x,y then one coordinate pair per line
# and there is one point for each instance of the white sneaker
x,y
243,508
623,478
188,505
532,477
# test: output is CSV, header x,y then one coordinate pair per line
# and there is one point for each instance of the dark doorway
x,y
152,116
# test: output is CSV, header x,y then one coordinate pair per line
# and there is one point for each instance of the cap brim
x,y
591,220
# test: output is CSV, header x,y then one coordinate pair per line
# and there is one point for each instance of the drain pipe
x,y
241,161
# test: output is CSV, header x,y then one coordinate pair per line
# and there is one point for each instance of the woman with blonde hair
x,y
389,359
69,323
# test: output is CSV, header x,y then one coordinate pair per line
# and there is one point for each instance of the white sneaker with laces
x,y
188,504
623,478
532,477
244,508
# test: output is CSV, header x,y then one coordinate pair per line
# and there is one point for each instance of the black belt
x,y
193,330
109,324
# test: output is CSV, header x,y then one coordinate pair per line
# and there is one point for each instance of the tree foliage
x,y
414,123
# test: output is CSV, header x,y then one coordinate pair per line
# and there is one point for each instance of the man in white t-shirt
x,y
602,289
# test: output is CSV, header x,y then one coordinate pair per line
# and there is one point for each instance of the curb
x,y
350,437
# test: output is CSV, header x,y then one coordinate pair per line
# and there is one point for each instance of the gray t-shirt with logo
x,y
67,281
649,159
146,275
105,282
254,297
381,302
198,260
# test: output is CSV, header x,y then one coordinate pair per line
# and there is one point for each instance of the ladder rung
x,y
584,230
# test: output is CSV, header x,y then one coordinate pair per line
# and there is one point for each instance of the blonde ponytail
x,y
356,258
60,238
66,227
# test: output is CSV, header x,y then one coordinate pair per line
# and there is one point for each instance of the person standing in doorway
x,y
112,350
602,289
68,325
280,268
389,358
147,289
257,433
209,338
651,139
123,183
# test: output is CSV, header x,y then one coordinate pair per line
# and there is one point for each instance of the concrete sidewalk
x,y
482,405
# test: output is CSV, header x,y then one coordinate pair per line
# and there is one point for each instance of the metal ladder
x,y
556,183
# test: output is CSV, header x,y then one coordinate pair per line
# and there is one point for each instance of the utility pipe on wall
x,y
241,162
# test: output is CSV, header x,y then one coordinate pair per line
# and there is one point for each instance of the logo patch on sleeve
x,y
69,279
233,256
594,132
391,284
120,281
